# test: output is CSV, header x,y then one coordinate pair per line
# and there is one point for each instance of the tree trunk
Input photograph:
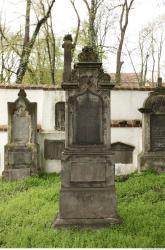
x,y
118,60
123,26
27,49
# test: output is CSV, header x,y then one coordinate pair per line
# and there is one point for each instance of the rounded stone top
x,y
156,101
88,54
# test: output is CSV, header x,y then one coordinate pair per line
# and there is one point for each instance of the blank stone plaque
x,y
88,120
83,171
21,129
158,132
123,153
53,149
20,158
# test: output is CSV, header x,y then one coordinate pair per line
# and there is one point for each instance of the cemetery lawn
x,y
28,208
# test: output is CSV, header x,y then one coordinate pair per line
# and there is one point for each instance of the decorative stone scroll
x,y
22,150
87,197
153,154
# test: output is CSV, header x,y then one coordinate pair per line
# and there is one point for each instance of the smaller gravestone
x,y
153,154
21,152
53,149
123,153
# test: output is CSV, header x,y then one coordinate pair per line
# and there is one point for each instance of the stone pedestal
x,y
153,154
22,150
87,196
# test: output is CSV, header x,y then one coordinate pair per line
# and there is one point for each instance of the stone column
x,y
68,46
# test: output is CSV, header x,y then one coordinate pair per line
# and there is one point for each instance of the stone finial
x,y
68,37
22,93
68,46
88,54
159,82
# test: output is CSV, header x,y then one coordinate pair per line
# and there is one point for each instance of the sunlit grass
x,y
28,209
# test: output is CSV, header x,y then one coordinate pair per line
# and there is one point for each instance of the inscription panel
x,y
88,172
158,132
20,129
20,157
88,120
53,149
123,153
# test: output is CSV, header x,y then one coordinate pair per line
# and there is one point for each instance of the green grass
x,y
28,209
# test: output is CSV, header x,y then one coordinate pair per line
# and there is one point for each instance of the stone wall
x,y
126,120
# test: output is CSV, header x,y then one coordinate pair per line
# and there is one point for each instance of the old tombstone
x,y
21,152
87,197
153,153
123,153
53,149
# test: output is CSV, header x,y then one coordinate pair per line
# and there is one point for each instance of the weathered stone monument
x,y
153,153
21,152
87,196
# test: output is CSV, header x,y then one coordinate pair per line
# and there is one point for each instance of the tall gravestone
x,y
22,150
153,129
87,196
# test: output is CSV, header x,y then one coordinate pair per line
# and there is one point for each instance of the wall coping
x,y
56,88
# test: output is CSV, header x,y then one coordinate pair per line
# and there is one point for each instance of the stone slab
x,y
87,203
19,158
158,132
16,174
152,160
20,129
86,223
88,171
88,122
53,149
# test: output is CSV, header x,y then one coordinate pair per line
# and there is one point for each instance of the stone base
x,y
86,223
87,207
16,174
21,161
152,160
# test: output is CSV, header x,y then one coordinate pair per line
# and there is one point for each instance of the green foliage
x,y
28,209
83,40
40,66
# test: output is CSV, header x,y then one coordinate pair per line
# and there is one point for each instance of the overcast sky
x,y
143,12
64,17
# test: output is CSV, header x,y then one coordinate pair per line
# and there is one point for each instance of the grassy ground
x,y
28,208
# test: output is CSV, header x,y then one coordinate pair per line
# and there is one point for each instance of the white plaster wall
x,y
48,112
10,95
50,166
125,104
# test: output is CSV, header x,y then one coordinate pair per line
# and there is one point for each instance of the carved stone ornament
x,y
159,105
88,55
20,109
